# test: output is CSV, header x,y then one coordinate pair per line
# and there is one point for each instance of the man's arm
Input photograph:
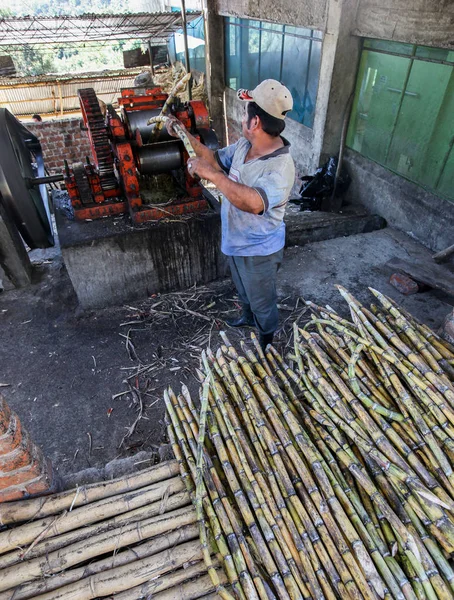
x,y
242,196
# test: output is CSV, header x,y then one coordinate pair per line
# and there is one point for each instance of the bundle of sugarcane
x,y
326,473
124,539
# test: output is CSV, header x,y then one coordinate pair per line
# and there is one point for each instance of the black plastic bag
x,y
319,187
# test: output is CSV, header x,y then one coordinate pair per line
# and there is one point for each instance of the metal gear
x,y
83,186
99,139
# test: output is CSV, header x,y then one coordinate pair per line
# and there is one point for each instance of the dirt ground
x,y
89,385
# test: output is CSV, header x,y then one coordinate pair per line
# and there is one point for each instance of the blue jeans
x,y
255,281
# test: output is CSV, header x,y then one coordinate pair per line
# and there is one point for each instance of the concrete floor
x,y
64,366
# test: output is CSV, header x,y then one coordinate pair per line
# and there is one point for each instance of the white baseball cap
x,y
272,97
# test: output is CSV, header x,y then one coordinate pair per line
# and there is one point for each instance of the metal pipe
x,y
186,47
32,181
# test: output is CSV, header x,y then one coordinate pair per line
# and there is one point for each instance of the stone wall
x,y
61,139
424,22
303,13
404,205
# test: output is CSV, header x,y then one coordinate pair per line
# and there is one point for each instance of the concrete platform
x,y
110,262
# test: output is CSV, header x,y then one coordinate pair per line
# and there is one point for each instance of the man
x,y
255,176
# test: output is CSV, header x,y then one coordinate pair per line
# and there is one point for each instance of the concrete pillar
x,y
214,52
14,259
24,471
343,53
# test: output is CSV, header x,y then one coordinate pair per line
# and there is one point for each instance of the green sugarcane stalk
x,y
178,130
263,436
165,108
256,493
200,517
308,480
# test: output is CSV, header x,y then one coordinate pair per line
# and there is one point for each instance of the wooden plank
x,y
443,254
425,271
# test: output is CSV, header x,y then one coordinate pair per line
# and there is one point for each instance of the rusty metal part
x,y
98,134
83,185
121,144
154,213
137,120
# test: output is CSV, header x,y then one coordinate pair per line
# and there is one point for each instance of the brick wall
x,y
24,471
61,139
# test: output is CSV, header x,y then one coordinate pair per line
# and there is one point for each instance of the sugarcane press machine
x,y
127,154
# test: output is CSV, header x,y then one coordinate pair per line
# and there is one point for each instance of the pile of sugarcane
x,y
130,538
325,473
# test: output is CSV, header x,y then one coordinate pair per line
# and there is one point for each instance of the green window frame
x,y
258,50
402,114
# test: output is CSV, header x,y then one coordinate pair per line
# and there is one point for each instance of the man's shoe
x,y
265,339
242,321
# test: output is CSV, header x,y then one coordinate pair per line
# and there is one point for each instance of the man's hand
x,y
169,126
202,168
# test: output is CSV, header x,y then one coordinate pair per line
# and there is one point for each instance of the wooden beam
x,y
425,271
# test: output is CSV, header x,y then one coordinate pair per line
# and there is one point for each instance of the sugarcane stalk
x,y
214,511
199,493
178,130
35,508
149,548
306,476
165,108
170,582
258,494
126,576
86,515
94,546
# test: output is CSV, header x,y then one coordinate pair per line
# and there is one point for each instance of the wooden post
x,y
186,48
214,58
61,99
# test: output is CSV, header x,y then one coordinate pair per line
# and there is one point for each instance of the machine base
x,y
96,211
111,263
154,213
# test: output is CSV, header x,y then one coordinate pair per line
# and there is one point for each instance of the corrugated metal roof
x,y
47,95
18,31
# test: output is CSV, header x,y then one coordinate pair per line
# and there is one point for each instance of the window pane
x,y
295,72
232,58
312,83
270,55
391,47
423,133
378,92
441,54
297,30
257,50
250,47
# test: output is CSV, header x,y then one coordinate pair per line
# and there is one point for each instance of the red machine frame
x,y
114,179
